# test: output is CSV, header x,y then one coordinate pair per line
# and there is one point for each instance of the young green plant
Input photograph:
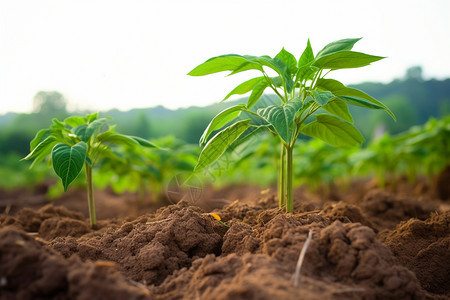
x,y
302,89
77,142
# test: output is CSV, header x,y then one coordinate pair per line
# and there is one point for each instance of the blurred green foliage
x,y
392,147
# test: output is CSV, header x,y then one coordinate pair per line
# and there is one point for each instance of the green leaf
x,y
46,144
86,131
336,46
228,62
57,125
244,87
305,68
359,102
38,137
144,142
117,138
322,98
75,121
220,142
257,92
289,60
82,132
92,117
281,117
333,131
339,108
220,120
339,89
278,66
68,161
345,60
306,72
307,56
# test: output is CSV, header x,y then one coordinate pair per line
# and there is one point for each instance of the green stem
x,y
281,179
289,191
90,195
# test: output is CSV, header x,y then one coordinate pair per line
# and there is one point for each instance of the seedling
x,y
301,89
79,141
218,219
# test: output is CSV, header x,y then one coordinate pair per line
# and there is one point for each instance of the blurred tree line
x,y
412,99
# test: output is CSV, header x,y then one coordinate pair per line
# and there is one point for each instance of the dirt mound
x,y
424,247
245,277
31,220
31,271
386,210
344,261
344,212
151,249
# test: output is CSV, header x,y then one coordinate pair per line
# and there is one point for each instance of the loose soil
x,y
367,243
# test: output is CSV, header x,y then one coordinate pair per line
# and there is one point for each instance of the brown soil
x,y
366,244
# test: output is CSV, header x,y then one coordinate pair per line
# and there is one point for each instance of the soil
x,y
366,243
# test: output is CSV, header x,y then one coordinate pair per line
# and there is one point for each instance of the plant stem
x,y
281,179
90,196
289,191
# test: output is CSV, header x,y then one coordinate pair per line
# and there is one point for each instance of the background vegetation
x,y
412,99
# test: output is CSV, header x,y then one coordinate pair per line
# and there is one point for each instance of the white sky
x,y
125,54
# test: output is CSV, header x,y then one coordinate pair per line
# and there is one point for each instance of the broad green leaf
x,y
306,72
305,68
333,131
278,66
82,132
339,108
289,60
307,56
144,142
345,60
68,161
86,131
220,142
336,46
46,144
228,62
339,89
257,92
244,87
281,117
92,117
322,98
75,121
220,120
38,138
117,138
98,126
41,156
276,81
359,102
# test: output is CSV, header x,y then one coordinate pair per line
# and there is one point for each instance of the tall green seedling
x,y
76,142
302,90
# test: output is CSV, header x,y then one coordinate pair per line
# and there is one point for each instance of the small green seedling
x,y
77,142
301,89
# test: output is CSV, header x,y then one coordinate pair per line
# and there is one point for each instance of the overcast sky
x,y
125,54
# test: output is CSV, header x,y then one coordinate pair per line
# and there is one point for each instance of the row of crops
x,y
422,151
